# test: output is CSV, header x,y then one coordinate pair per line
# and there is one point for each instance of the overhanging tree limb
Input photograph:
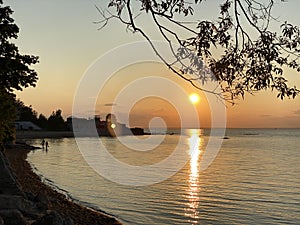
x,y
247,61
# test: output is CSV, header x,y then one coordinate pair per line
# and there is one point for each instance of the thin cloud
x,y
297,112
110,104
265,115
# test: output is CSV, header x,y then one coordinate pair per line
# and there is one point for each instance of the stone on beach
x,y
17,202
12,217
8,182
53,218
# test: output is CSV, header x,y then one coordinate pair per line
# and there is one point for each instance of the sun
x,y
194,98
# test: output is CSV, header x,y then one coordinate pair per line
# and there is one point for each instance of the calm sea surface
x,y
255,179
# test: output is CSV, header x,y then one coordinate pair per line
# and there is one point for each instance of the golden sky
x,y
63,34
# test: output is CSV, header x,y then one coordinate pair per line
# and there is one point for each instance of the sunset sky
x,y
63,35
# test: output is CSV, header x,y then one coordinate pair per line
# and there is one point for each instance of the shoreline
x,y
31,184
20,135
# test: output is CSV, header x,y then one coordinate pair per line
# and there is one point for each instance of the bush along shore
x,y
26,200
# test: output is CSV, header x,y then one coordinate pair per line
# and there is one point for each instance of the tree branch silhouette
x,y
250,57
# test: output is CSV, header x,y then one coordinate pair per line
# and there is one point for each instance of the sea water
x,y
254,179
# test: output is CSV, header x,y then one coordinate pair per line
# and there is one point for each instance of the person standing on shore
x,y
47,145
43,143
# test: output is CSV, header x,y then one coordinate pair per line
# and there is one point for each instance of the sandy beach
x,y
31,184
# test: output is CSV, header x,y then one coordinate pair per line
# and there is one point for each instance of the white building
x,y
26,125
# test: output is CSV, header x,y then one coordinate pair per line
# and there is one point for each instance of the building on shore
x,y
26,125
109,127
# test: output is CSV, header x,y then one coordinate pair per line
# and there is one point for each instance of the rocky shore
x,y
26,200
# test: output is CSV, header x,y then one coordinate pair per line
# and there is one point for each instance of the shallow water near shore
x,y
255,179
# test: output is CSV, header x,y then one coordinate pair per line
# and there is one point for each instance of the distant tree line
x,y
54,122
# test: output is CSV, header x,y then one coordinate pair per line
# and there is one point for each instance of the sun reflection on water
x,y
195,143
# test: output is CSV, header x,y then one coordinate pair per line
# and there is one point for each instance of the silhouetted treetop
x,y
249,57
15,71
56,121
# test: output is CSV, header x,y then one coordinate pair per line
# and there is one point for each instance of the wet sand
x,y
31,183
